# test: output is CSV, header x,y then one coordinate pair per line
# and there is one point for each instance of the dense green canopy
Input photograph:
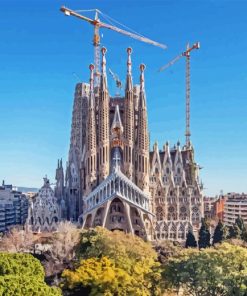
x,y
220,270
22,274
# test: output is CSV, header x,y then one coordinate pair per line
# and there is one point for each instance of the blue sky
x,y
41,48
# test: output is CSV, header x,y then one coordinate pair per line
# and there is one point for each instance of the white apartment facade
x,y
235,206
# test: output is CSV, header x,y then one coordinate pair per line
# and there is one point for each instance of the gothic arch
x,y
88,222
117,219
159,213
181,231
98,217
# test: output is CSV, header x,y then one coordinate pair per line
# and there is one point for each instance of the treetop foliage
x,y
190,240
124,260
22,274
126,250
204,235
20,264
219,233
220,270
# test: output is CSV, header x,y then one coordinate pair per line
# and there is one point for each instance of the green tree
x,y
237,229
102,276
219,233
240,223
220,271
129,254
190,240
166,249
204,235
22,274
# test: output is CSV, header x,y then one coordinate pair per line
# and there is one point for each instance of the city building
x,y
235,206
210,207
44,211
13,207
219,207
112,178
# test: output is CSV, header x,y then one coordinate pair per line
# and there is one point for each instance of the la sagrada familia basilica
x,y
112,179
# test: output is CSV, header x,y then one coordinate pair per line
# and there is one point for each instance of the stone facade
x,y
44,210
158,191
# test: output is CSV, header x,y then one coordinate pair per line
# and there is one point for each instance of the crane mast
x,y
187,132
96,39
96,44
185,54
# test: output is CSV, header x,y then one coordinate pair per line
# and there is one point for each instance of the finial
x,y
91,68
142,68
155,145
178,143
129,63
166,146
103,51
46,180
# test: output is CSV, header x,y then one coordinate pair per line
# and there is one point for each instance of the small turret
x,y
156,164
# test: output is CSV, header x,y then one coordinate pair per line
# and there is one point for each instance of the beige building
x,y
235,206
112,178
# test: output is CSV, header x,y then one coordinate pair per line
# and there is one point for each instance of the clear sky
x,y
40,49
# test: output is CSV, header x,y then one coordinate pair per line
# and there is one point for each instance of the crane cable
x,y
111,20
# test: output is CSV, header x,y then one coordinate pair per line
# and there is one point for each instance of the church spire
x,y
103,69
116,140
117,123
142,100
142,86
129,84
91,138
129,121
142,173
103,123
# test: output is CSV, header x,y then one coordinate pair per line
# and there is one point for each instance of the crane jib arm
x,y
98,23
69,12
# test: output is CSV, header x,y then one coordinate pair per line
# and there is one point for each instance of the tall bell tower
x,y
103,123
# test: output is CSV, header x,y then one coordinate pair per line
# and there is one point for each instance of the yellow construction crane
x,y
185,54
96,39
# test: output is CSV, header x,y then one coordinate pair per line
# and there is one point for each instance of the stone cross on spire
x,y
116,160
